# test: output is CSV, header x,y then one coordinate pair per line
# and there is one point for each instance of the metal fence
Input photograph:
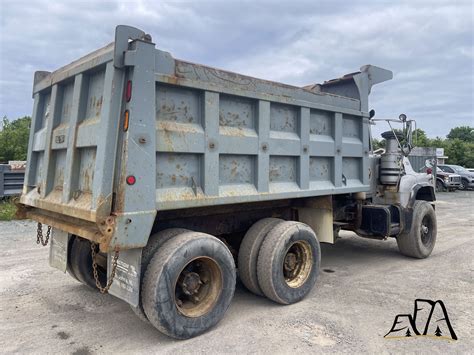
x,y
11,181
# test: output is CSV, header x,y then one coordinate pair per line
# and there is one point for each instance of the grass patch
x,y
7,210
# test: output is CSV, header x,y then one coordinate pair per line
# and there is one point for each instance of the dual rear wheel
x,y
80,262
189,277
188,284
280,260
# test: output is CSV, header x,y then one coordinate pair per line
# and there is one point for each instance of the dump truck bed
x,y
190,136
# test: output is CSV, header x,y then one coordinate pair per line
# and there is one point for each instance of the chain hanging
x,y
104,289
39,235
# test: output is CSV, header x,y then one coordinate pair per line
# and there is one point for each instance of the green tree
x,y
460,152
464,133
14,138
377,143
420,139
437,142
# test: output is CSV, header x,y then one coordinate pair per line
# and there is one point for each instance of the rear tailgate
x,y
73,143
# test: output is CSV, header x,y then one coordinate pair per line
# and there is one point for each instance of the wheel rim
x,y
198,287
297,264
426,230
462,186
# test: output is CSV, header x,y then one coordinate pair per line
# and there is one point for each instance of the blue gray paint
x,y
198,136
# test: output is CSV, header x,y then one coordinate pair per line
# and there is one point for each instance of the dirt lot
x,y
366,283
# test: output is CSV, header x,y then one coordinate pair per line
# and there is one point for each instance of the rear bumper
x,y
120,230
80,208
72,225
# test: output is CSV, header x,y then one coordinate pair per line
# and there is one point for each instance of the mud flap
x,y
58,249
126,285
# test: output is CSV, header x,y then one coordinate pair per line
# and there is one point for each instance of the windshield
x,y
459,169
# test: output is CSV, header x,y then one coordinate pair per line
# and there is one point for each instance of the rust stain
x,y
274,173
86,181
98,106
173,79
71,225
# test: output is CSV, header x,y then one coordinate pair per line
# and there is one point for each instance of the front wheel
x,y
463,185
188,285
420,240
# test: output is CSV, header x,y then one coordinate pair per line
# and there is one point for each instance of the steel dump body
x,y
196,136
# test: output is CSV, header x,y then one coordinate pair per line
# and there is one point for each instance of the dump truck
x,y
157,180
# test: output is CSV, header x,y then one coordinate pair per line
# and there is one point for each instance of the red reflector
x,y
131,179
128,91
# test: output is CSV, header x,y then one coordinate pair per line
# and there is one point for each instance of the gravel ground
x,y
364,285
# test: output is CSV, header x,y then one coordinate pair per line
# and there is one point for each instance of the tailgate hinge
x,y
122,36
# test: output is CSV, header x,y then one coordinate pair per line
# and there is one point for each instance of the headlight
x,y
446,179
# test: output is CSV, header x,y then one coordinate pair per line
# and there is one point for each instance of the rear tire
x,y
81,263
69,256
289,262
188,285
420,240
154,243
248,253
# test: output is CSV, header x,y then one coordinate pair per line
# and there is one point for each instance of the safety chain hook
x,y
104,289
39,235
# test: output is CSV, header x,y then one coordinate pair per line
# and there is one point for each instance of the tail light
x,y
128,91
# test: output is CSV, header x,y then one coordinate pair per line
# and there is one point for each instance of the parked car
x,y
467,177
447,181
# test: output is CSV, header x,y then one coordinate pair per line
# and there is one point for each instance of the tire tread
x,y
156,240
408,243
156,269
270,250
249,250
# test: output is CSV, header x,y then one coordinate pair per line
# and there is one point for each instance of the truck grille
x,y
455,179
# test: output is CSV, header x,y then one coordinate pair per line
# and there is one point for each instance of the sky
x,y
429,46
